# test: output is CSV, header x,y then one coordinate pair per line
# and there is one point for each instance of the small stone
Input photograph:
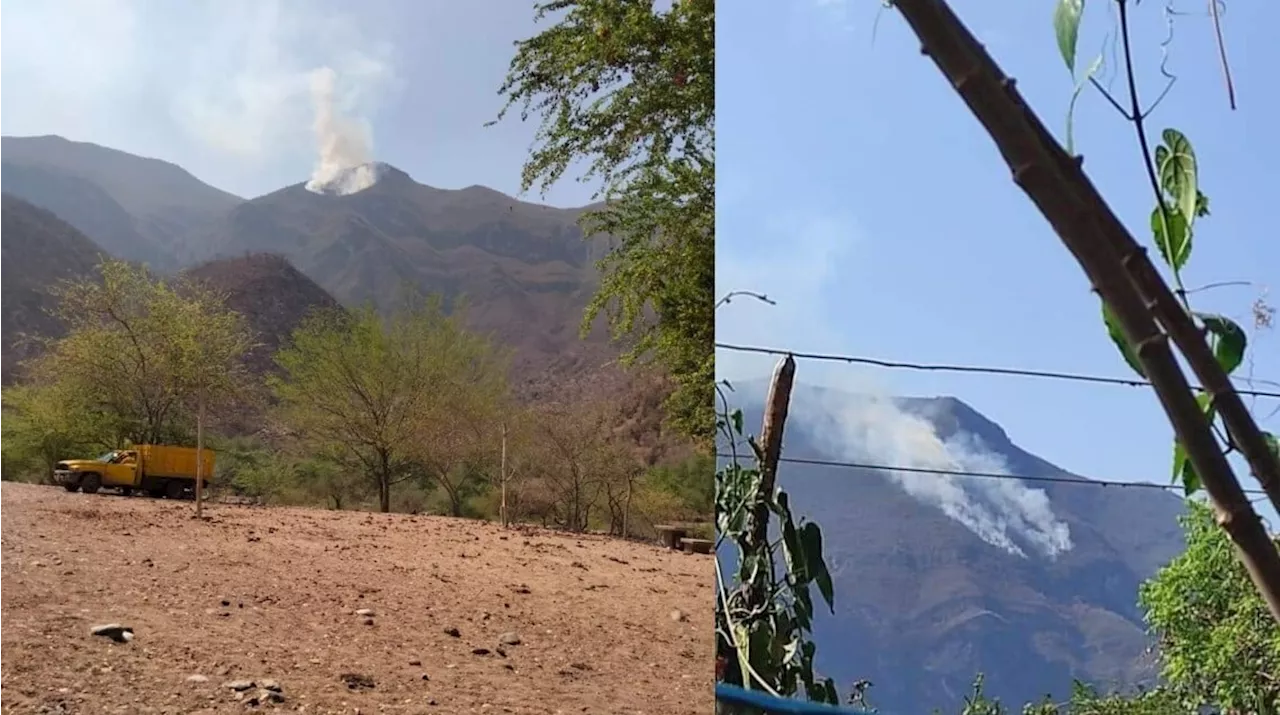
x,y
114,631
239,685
368,621
415,661
197,678
479,651
510,638
453,632
268,696
365,612
271,685
677,615
426,676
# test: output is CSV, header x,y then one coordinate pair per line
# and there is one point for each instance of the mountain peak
x,y
344,181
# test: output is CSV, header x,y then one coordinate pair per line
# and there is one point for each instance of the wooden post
x,y
775,418
502,476
200,457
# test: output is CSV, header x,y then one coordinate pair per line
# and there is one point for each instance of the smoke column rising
x,y
1003,512
343,145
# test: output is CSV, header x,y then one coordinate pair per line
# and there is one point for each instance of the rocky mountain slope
x,y
522,270
923,602
273,296
39,250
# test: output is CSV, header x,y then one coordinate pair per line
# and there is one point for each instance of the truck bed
x,y
174,462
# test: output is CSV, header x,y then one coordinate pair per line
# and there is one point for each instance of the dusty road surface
x,y
271,596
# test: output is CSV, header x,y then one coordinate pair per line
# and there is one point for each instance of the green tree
x,y
462,431
42,425
389,397
1218,643
626,92
137,350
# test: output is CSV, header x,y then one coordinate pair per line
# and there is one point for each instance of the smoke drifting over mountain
x,y
1005,513
343,144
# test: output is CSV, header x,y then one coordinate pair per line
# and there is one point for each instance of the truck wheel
x,y
155,492
90,484
173,489
71,486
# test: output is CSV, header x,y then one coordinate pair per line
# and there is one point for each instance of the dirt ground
x,y
261,594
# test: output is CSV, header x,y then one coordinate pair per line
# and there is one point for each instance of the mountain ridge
x,y
923,603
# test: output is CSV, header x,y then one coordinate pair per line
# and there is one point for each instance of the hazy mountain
x,y
522,269
938,579
39,250
137,208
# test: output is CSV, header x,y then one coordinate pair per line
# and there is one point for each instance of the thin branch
x,y
1222,53
1138,118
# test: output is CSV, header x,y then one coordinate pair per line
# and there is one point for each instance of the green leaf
x,y
1229,340
1177,169
1117,336
1182,468
1175,246
737,421
815,566
1075,95
1066,25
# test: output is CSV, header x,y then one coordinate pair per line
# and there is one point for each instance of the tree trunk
x,y
384,483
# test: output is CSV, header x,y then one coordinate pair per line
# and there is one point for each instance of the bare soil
x,y
255,593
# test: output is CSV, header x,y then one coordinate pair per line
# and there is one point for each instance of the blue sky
x,y
221,87
855,188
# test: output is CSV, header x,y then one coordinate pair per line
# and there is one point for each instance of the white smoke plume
x,y
1005,513
797,261
343,144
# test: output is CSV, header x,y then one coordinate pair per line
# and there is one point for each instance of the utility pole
x,y
200,454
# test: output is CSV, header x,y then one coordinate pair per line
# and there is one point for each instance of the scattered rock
x,y
453,632
197,678
271,685
365,612
356,681
480,651
509,638
239,685
114,631
678,615
426,676
368,621
415,661
264,697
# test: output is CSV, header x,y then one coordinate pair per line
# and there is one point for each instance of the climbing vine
x,y
1173,173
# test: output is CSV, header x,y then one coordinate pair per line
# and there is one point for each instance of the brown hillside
x,y
39,249
272,295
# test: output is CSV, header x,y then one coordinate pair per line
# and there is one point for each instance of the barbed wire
x,y
972,369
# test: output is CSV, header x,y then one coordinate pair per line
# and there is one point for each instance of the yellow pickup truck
x,y
158,470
